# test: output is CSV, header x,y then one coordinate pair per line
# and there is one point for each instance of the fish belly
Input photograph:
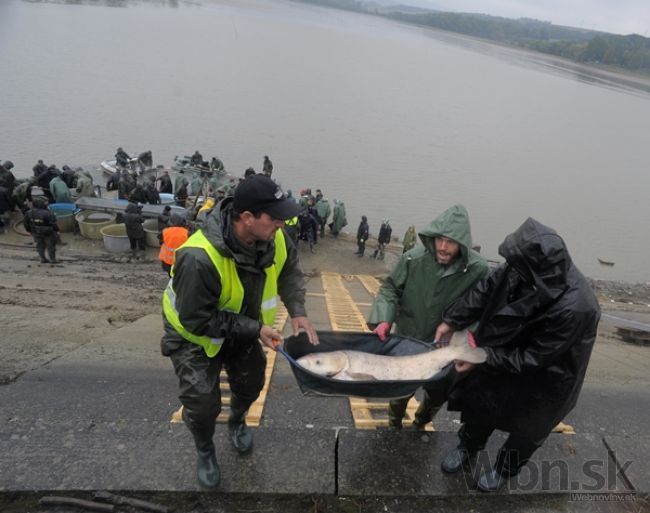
x,y
366,366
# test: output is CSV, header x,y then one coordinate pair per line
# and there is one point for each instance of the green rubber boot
x,y
240,434
207,468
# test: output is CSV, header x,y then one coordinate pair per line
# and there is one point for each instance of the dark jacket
x,y
385,231
133,220
537,322
6,204
165,184
364,230
137,194
197,284
40,221
151,194
7,179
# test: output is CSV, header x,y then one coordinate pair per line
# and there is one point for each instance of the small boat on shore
x,y
605,262
110,166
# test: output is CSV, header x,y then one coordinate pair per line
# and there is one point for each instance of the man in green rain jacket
x,y
425,280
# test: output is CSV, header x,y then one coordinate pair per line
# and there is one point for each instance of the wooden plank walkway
x,y
370,283
342,310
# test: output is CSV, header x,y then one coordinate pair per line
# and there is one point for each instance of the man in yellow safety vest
x,y
219,305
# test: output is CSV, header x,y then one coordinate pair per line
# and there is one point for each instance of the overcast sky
x,y
617,16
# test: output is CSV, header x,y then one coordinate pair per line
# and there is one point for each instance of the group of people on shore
x,y
54,184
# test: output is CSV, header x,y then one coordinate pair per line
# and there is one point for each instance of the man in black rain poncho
x,y
537,322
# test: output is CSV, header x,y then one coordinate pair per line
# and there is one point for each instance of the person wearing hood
x,y
410,239
363,232
151,194
68,176
385,232
196,159
424,281
173,236
133,221
267,166
40,222
165,185
339,219
7,178
537,320
323,210
181,180
122,159
85,184
59,190
221,303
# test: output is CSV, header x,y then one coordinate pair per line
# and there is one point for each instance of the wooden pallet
x,y
370,414
370,283
342,310
254,415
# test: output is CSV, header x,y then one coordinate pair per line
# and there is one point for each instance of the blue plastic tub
x,y
64,213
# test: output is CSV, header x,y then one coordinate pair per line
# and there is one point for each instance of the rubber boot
x,y
240,434
472,440
514,454
41,254
424,414
396,412
208,473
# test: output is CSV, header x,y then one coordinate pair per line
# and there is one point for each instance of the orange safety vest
x,y
173,237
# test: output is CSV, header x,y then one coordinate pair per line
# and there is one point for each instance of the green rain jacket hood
x,y
453,223
419,288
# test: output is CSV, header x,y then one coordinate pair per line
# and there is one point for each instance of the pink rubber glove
x,y
382,330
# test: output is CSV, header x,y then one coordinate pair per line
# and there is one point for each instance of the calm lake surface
x,y
398,121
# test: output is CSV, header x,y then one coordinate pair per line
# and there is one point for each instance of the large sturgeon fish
x,y
359,366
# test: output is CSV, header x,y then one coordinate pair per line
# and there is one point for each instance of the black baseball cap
x,y
261,194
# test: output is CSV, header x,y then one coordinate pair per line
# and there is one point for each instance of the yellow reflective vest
x,y
232,290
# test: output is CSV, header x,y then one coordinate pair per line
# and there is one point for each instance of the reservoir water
x,y
398,121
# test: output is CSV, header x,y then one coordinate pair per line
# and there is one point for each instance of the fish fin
x,y
463,342
360,376
476,355
460,339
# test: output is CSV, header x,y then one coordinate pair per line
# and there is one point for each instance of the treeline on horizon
x,y
630,52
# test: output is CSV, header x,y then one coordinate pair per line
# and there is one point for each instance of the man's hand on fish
x,y
463,366
302,323
270,337
443,335
382,330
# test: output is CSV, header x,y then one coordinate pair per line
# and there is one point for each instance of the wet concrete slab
x,y
632,456
569,464
120,375
160,456
407,463
389,463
